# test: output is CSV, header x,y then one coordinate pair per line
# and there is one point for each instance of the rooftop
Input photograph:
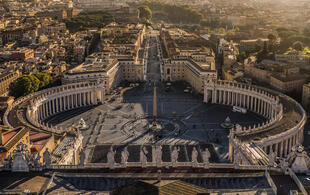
x,y
10,137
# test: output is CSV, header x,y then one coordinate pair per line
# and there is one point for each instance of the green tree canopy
x,y
222,30
44,78
299,46
24,85
145,12
27,84
172,13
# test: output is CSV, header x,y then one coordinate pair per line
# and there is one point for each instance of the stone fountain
x,y
227,124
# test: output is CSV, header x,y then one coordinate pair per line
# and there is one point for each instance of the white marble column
x,y
61,103
220,97
214,96
95,97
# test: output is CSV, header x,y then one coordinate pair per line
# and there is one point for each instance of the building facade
x,y
6,78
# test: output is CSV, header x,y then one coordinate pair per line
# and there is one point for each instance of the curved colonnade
x,y
285,118
46,103
282,129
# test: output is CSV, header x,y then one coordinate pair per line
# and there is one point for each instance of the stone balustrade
x,y
163,164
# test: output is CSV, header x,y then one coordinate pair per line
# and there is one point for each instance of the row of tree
x,y
172,13
293,38
88,19
29,83
290,39
145,13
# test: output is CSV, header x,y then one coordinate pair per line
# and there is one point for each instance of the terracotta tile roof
x,y
36,148
11,137
34,136
7,136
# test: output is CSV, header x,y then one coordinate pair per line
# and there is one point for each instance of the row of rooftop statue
x,y
23,161
157,150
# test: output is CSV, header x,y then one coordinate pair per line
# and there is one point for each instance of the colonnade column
x,y
285,147
88,98
61,103
281,149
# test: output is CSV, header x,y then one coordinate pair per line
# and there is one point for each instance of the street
x,y
153,61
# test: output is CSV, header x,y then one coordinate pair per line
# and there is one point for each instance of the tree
x,y
24,85
145,12
27,84
299,46
221,30
236,29
44,78
271,37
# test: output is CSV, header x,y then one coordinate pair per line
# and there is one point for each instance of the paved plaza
x,y
201,122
